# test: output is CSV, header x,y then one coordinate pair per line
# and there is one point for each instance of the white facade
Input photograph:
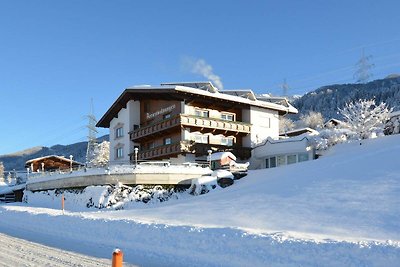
x,y
275,153
264,124
120,143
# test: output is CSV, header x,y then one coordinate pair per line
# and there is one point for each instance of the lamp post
x,y
136,155
209,157
70,162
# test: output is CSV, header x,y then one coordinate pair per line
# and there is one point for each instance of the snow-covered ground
x,y
340,210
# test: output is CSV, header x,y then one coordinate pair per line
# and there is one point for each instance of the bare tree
x,y
313,120
365,117
285,124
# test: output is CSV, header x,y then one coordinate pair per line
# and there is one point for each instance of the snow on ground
x,y
340,210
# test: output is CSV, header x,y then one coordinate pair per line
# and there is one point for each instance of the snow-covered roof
x,y
300,131
53,156
179,91
221,155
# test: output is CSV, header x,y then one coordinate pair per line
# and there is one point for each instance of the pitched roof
x,y
181,91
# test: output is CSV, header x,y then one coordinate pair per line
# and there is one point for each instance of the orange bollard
x,y
62,203
117,258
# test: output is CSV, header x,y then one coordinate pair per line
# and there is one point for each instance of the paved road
x,y
15,252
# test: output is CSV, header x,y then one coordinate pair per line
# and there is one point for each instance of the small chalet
x,y
51,163
221,159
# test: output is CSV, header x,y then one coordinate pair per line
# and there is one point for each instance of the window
x,y
152,145
119,132
167,141
291,159
119,152
202,113
267,163
227,117
281,160
303,157
199,138
227,141
167,116
272,162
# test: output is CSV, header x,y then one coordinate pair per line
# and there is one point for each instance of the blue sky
x,y
57,55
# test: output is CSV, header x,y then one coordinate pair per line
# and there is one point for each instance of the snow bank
x,y
99,197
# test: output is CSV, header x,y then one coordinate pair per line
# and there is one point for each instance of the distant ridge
x,y
17,160
328,99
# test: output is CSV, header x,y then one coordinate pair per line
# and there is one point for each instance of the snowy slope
x,y
340,210
351,194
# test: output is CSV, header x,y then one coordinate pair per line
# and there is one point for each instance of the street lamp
x,y
70,162
136,154
209,157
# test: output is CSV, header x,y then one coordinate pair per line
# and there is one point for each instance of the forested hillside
x,y
328,99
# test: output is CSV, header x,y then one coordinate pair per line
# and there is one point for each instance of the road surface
x,y
17,252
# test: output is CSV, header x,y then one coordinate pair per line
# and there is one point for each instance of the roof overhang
x,y
184,93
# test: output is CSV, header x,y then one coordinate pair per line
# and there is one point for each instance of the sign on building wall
x,y
159,112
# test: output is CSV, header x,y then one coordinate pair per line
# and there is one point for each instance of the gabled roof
x,y
181,91
60,158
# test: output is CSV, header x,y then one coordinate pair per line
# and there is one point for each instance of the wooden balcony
x,y
160,152
203,124
183,147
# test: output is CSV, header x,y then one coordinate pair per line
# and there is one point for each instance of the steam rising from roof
x,y
201,67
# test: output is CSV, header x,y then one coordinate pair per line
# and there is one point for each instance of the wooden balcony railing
x,y
182,147
211,124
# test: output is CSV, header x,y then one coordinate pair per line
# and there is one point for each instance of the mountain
x,y
328,99
17,160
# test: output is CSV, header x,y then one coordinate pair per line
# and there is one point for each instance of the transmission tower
x,y
92,131
285,87
363,66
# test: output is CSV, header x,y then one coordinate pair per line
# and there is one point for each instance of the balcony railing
x,y
211,124
182,147
160,152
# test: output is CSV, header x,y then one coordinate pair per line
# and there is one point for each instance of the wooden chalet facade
x,y
183,121
51,163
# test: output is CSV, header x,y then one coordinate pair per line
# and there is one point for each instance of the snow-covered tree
x,y
313,120
101,154
1,172
365,118
285,124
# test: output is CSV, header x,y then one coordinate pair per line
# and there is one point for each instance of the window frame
x,y
119,152
226,114
119,132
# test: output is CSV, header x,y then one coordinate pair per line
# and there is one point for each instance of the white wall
x,y
265,123
280,147
127,117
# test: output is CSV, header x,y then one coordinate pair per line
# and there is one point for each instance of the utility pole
x,y
363,66
92,131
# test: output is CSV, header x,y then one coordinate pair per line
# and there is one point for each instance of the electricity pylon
x,y
363,65
92,131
